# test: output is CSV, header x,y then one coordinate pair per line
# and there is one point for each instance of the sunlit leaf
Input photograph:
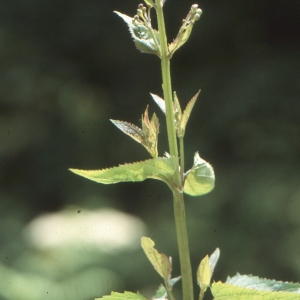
x,y
145,38
177,112
160,102
200,179
185,30
159,261
123,296
225,291
150,130
204,274
213,259
174,280
263,284
160,168
147,136
133,131
161,293
186,114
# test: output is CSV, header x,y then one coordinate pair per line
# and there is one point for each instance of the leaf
x,y
145,38
150,130
174,280
159,261
200,179
123,296
213,259
263,284
160,102
204,274
177,112
161,293
186,114
225,291
133,131
147,136
206,269
160,168
185,30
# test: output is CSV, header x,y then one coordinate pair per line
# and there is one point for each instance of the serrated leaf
x,y
257,283
225,291
200,179
159,261
204,274
181,39
186,114
185,30
123,296
133,131
150,130
147,136
177,112
143,36
160,168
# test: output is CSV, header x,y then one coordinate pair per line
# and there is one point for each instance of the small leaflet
x,y
200,179
159,261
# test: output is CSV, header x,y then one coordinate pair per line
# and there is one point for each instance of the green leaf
x,y
161,168
263,284
172,281
123,296
225,291
200,179
150,129
186,115
204,274
146,39
185,30
161,293
177,112
206,269
159,261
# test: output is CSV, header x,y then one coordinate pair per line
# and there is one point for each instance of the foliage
x,y
197,181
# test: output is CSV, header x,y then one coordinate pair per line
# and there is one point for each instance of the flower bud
x,y
194,7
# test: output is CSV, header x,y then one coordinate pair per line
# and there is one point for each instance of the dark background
x,y
67,67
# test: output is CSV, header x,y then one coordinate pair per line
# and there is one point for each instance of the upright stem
x,y
179,209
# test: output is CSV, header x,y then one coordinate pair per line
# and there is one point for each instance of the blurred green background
x,y
67,67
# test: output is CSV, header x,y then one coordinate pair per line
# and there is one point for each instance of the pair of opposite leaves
x,y
199,180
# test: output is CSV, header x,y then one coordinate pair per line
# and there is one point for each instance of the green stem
x,y
183,246
181,153
179,209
